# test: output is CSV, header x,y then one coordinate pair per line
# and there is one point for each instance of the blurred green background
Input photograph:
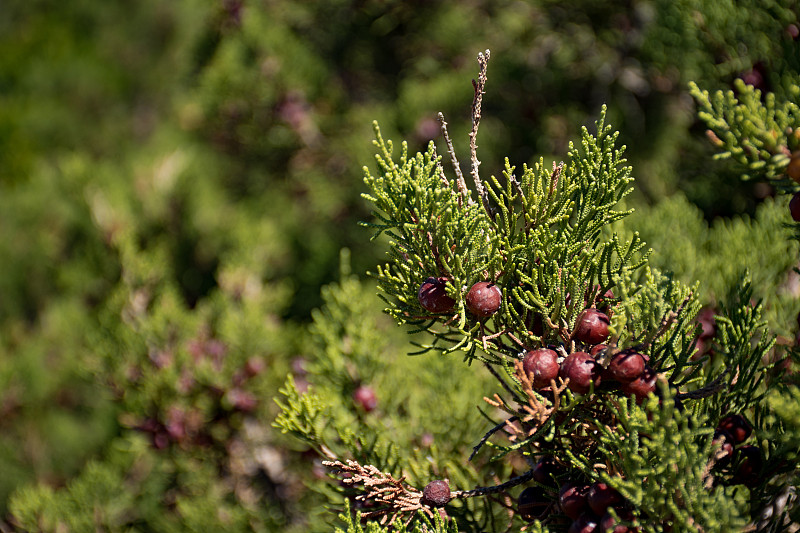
x,y
177,180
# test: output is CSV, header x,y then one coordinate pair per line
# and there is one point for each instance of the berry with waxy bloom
x,y
592,327
596,349
484,299
255,366
612,525
242,400
433,297
707,322
725,451
793,169
541,366
603,302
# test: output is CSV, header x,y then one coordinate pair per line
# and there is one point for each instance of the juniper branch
x,y
491,432
483,491
503,383
706,391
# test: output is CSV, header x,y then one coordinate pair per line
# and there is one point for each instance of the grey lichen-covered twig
x,y
477,100
462,185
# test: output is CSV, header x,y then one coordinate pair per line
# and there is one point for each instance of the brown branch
x,y
513,338
565,334
720,453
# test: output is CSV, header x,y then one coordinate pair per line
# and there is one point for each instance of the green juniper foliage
x,y
555,244
177,182
761,136
760,131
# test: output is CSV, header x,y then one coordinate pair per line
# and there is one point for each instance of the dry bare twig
x,y
477,100
463,192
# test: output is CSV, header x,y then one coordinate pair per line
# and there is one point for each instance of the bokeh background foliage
x,y
177,181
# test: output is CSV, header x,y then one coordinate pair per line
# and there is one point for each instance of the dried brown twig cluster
x,y
392,498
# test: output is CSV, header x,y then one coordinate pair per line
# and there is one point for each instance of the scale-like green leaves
x,y
759,134
540,240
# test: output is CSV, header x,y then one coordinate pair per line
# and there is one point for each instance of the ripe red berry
x,y
642,386
596,349
610,524
707,322
591,327
531,503
365,398
793,169
604,302
601,496
701,347
582,371
541,366
794,207
625,366
546,470
242,400
433,296
586,523
255,366
737,426
750,460
572,499
436,493
725,451
484,299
